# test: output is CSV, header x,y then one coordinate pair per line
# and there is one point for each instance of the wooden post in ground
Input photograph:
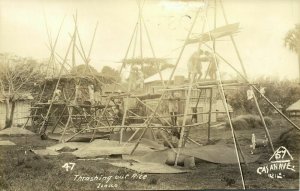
x,y
246,76
221,89
196,106
124,118
70,110
123,66
187,106
255,88
43,128
170,78
264,122
59,118
51,59
209,115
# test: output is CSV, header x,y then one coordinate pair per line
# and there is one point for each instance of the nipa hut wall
x,y
22,111
163,109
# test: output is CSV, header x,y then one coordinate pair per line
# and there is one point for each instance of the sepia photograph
x,y
149,95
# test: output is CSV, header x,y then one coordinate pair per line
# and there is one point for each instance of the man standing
x,y
212,65
195,65
173,108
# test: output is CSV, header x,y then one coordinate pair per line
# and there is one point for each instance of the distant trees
x,y
151,69
292,41
111,72
83,69
17,76
285,92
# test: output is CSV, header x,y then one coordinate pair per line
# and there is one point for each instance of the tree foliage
x,y
292,39
111,72
152,69
83,69
18,76
285,92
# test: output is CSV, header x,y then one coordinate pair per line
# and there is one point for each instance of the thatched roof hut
x,y
68,83
294,109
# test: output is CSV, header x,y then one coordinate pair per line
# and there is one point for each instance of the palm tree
x,y
292,41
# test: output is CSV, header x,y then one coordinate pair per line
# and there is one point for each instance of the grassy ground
x,y
20,171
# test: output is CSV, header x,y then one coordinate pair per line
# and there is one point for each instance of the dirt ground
x,y
21,169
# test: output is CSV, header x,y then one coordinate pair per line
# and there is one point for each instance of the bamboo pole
x,y
58,120
209,116
227,110
187,105
43,129
153,53
235,137
199,47
53,46
70,110
134,44
74,43
52,54
170,78
211,90
232,39
141,35
123,65
129,86
123,119
193,141
168,142
92,42
263,121
245,74
143,126
86,60
196,107
256,89
73,64
132,136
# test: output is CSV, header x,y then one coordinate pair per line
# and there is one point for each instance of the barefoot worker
x,y
173,108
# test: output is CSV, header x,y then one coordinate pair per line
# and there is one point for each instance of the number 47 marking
x,y
69,166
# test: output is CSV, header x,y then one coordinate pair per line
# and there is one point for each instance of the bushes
x,y
290,139
285,92
248,122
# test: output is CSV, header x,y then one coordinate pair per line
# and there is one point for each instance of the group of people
x,y
196,61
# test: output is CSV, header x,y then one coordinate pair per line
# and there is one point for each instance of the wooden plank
x,y
219,32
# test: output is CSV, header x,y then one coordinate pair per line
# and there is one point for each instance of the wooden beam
x,y
187,106
209,115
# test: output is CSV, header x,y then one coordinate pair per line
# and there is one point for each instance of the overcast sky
x,y
260,40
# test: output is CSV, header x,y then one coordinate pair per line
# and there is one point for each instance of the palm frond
x,y
292,39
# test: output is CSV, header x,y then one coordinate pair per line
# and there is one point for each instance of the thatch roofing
x,y
294,107
87,77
